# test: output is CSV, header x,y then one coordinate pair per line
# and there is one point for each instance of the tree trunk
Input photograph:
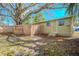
x,y
18,22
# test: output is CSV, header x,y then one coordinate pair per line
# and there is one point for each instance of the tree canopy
x,y
21,11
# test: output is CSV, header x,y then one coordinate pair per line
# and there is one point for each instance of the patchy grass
x,y
10,49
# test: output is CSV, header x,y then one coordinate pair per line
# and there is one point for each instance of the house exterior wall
x,y
65,30
49,29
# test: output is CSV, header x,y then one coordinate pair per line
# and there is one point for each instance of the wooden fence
x,y
18,29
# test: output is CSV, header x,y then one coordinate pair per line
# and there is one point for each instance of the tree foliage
x,y
35,19
73,8
20,11
39,18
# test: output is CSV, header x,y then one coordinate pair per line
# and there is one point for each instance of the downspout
x,y
72,26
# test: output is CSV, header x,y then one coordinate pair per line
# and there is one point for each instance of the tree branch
x,y
40,9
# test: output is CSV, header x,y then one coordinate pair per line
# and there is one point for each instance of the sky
x,y
49,15
55,14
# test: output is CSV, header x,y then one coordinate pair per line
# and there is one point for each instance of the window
x,y
61,22
48,23
76,29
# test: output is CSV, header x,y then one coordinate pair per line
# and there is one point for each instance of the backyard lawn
x,y
9,48
37,45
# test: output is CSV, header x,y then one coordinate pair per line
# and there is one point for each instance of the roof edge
x,y
54,20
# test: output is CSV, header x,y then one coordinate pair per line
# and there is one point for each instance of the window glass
x,y
48,23
61,22
77,29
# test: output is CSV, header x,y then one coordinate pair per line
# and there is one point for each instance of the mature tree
x,y
21,12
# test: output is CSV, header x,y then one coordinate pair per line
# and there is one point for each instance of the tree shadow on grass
x,y
20,42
